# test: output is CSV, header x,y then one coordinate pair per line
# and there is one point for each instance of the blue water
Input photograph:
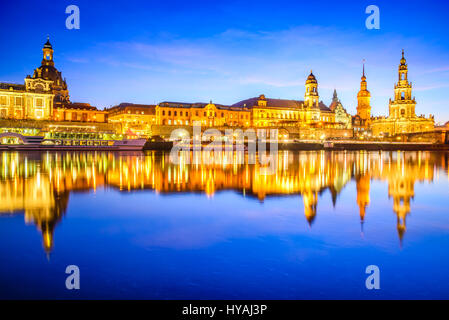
x,y
149,235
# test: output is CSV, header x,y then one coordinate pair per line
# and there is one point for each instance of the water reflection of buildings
x,y
39,184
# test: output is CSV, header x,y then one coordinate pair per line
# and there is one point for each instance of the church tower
x,y
311,99
48,78
47,50
364,98
403,105
402,117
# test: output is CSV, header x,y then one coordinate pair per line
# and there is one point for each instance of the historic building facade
x,y
136,119
45,96
258,112
21,103
402,117
343,119
207,114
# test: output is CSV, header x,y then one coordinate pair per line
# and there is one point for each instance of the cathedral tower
x,y
403,105
364,98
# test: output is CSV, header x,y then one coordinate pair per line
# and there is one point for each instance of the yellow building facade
x,y
45,96
207,114
17,102
402,117
257,112
79,112
129,118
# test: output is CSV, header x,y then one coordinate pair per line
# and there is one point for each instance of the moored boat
x,y
34,139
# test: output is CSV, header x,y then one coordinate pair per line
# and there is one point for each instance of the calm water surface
x,y
139,226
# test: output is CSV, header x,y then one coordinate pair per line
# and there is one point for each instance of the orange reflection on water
x,y
40,184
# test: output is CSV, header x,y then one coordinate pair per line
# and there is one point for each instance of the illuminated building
x,y
19,103
363,99
257,112
343,119
48,78
311,112
207,114
79,112
36,98
361,122
402,117
45,96
129,118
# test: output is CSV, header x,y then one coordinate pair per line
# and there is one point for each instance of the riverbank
x,y
337,146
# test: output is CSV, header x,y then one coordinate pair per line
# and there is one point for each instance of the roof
x,y
275,103
14,86
125,107
48,44
311,78
198,105
79,106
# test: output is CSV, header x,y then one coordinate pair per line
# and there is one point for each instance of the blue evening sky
x,y
226,51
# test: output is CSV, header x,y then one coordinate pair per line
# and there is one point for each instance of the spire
x,y
335,96
403,61
47,44
363,74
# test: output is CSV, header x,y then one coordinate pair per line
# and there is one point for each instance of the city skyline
x,y
230,62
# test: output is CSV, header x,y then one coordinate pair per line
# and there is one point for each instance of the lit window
x,y
39,102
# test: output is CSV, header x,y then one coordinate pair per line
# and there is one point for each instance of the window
x,y
3,100
19,101
175,113
163,112
169,113
180,113
39,102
